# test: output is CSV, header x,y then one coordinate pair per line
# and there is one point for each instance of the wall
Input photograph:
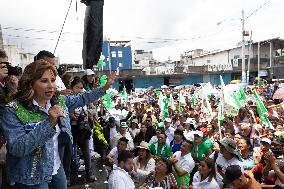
x,y
125,57
191,79
215,78
155,82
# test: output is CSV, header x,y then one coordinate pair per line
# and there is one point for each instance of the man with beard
x,y
119,177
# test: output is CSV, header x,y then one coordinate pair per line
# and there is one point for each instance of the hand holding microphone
x,y
56,113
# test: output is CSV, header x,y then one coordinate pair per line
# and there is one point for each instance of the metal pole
x,y
250,42
109,57
258,62
243,49
270,61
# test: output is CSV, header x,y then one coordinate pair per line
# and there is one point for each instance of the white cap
x,y
267,140
168,120
89,72
190,121
199,133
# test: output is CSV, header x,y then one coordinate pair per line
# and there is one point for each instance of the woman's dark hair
x,y
66,80
146,159
248,142
75,81
32,73
86,83
168,164
211,165
178,132
162,129
231,131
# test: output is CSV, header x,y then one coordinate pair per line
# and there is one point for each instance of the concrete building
x,y
142,59
230,60
17,56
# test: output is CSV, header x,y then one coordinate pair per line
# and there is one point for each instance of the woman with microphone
x,y
32,127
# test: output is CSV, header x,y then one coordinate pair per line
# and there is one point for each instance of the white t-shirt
x,y
143,172
186,162
221,161
59,83
130,145
155,139
134,131
57,161
170,133
198,184
114,153
120,179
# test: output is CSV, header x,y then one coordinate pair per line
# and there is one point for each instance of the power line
x,y
256,10
38,30
62,26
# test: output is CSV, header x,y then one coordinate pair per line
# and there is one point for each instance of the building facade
x,y
117,55
271,61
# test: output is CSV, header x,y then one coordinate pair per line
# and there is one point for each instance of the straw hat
x,y
144,145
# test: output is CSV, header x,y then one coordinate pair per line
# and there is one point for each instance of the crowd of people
x,y
186,137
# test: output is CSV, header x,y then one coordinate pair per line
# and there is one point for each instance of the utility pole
x,y
243,50
250,42
109,56
258,62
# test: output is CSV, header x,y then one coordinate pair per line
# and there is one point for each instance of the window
x,y
119,54
136,62
236,56
120,65
208,61
113,54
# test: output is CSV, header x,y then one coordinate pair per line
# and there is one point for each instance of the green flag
x,y
107,101
103,80
220,113
193,100
263,114
124,94
181,100
236,99
101,64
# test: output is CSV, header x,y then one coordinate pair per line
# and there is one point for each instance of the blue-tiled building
x,y
117,54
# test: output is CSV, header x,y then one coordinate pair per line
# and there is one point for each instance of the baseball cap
x,y
123,124
232,173
199,133
266,140
89,72
168,120
111,119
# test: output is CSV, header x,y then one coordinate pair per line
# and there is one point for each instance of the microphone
x,y
53,102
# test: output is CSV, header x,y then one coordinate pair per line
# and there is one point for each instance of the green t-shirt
x,y
202,148
182,181
160,151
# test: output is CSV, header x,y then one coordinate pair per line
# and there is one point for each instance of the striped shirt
x,y
169,182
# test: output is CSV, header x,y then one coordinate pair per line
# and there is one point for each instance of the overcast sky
x,y
166,27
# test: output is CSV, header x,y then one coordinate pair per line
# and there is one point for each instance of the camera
x,y
13,70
